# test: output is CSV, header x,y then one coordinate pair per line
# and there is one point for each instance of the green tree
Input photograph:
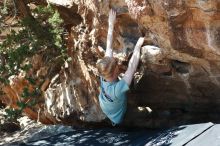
x,y
40,32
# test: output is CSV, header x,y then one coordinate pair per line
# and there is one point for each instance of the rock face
x,y
179,78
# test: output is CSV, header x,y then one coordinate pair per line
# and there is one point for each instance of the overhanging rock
x,y
178,78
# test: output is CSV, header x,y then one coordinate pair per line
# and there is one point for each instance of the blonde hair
x,y
106,66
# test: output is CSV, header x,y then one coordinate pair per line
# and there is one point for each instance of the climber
x,y
112,98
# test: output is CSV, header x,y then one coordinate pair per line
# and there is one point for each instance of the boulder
x,y
179,75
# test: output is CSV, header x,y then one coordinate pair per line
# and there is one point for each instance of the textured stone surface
x,y
180,83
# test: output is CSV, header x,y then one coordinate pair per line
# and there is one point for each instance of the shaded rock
x,y
9,127
179,81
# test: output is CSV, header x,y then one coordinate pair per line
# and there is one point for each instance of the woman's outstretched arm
x,y
111,23
133,63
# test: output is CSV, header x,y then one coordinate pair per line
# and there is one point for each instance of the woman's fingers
x,y
112,16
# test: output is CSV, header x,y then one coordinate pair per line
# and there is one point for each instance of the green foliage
x,y
36,33
42,32
27,94
28,100
12,114
4,8
32,81
51,19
